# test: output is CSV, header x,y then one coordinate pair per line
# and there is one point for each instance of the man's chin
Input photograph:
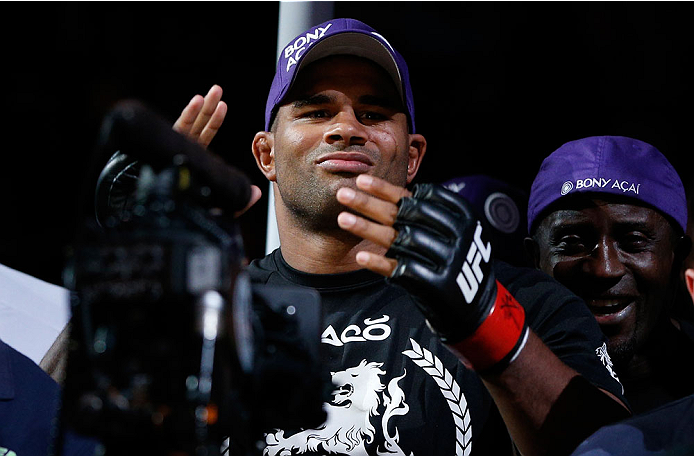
x,y
621,350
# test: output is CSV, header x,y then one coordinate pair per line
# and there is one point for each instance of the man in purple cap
x,y
607,217
434,348
664,430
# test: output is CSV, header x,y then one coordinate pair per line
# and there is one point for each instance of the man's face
x,y
342,118
618,257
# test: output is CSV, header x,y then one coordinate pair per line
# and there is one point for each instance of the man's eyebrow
x,y
384,102
638,225
573,223
565,224
370,100
313,100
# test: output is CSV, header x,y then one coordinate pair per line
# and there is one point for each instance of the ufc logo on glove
x,y
471,275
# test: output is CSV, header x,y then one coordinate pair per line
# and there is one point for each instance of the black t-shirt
x,y
398,389
671,353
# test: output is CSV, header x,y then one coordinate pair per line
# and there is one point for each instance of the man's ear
x,y
533,250
689,281
416,151
264,153
683,247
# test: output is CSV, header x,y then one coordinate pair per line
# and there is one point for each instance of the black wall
x,y
498,86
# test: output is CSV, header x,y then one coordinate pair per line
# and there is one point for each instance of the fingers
x,y
214,123
378,210
376,263
210,117
382,212
381,188
256,193
201,119
379,234
185,121
376,201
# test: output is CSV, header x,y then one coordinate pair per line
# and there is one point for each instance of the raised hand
x,y
200,121
202,117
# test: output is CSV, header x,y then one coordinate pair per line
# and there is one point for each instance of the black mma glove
x,y
446,266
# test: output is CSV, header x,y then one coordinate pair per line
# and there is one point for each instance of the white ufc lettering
x,y
471,274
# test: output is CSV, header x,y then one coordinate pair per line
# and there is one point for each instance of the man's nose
x,y
346,128
605,261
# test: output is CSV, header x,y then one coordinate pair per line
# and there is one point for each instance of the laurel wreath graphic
x,y
451,391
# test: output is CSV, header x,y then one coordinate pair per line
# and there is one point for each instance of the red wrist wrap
x,y
497,337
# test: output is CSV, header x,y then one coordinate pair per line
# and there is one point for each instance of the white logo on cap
x,y
567,187
601,182
295,50
454,187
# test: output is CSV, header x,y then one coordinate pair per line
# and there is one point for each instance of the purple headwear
x,y
502,207
338,37
609,164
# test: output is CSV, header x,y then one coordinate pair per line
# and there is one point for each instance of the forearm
x,y
447,269
548,408
54,361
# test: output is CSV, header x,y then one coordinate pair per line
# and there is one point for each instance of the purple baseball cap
x,y
338,37
608,164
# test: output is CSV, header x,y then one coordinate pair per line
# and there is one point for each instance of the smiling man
x,y
607,217
315,161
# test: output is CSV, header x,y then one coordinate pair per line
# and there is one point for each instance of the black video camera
x,y
172,349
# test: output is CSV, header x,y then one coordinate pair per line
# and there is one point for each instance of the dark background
x,y
497,85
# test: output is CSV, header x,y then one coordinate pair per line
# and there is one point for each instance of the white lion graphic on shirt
x,y
348,427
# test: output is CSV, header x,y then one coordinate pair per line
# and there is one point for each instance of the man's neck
x,y
323,252
319,251
661,341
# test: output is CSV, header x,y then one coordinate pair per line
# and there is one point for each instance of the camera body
x,y
172,349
